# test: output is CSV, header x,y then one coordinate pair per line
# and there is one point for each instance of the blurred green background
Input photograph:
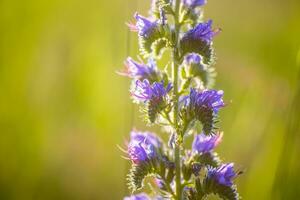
x,y
63,109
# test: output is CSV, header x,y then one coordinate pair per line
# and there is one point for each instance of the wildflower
x,y
146,137
206,100
140,70
194,3
140,151
144,26
224,174
141,196
205,143
204,106
156,92
203,32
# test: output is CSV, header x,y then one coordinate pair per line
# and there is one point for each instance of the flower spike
x,y
179,98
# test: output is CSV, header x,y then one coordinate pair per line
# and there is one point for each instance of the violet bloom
x,y
138,70
205,143
140,152
204,106
144,91
206,99
224,174
144,26
194,3
141,196
203,32
146,137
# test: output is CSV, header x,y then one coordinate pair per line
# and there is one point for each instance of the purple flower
x,y
203,32
144,26
205,143
203,106
146,137
206,99
194,3
142,146
141,196
144,91
224,174
138,70
140,151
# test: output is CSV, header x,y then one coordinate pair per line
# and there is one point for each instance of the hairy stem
x,y
175,84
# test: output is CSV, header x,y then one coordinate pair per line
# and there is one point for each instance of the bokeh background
x,y
63,109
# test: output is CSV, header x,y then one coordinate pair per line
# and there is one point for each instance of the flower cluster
x,y
182,103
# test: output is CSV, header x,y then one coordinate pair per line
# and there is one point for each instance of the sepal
x,y
201,47
159,167
156,42
137,174
210,186
186,171
209,159
161,5
158,46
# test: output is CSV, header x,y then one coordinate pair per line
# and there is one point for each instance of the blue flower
x,y
141,70
206,100
205,143
203,32
156,92
140,151
144,26
143,146
141,196
223,175
203,106
194,3
146,137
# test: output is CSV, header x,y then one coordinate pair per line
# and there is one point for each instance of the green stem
x,y
175,85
